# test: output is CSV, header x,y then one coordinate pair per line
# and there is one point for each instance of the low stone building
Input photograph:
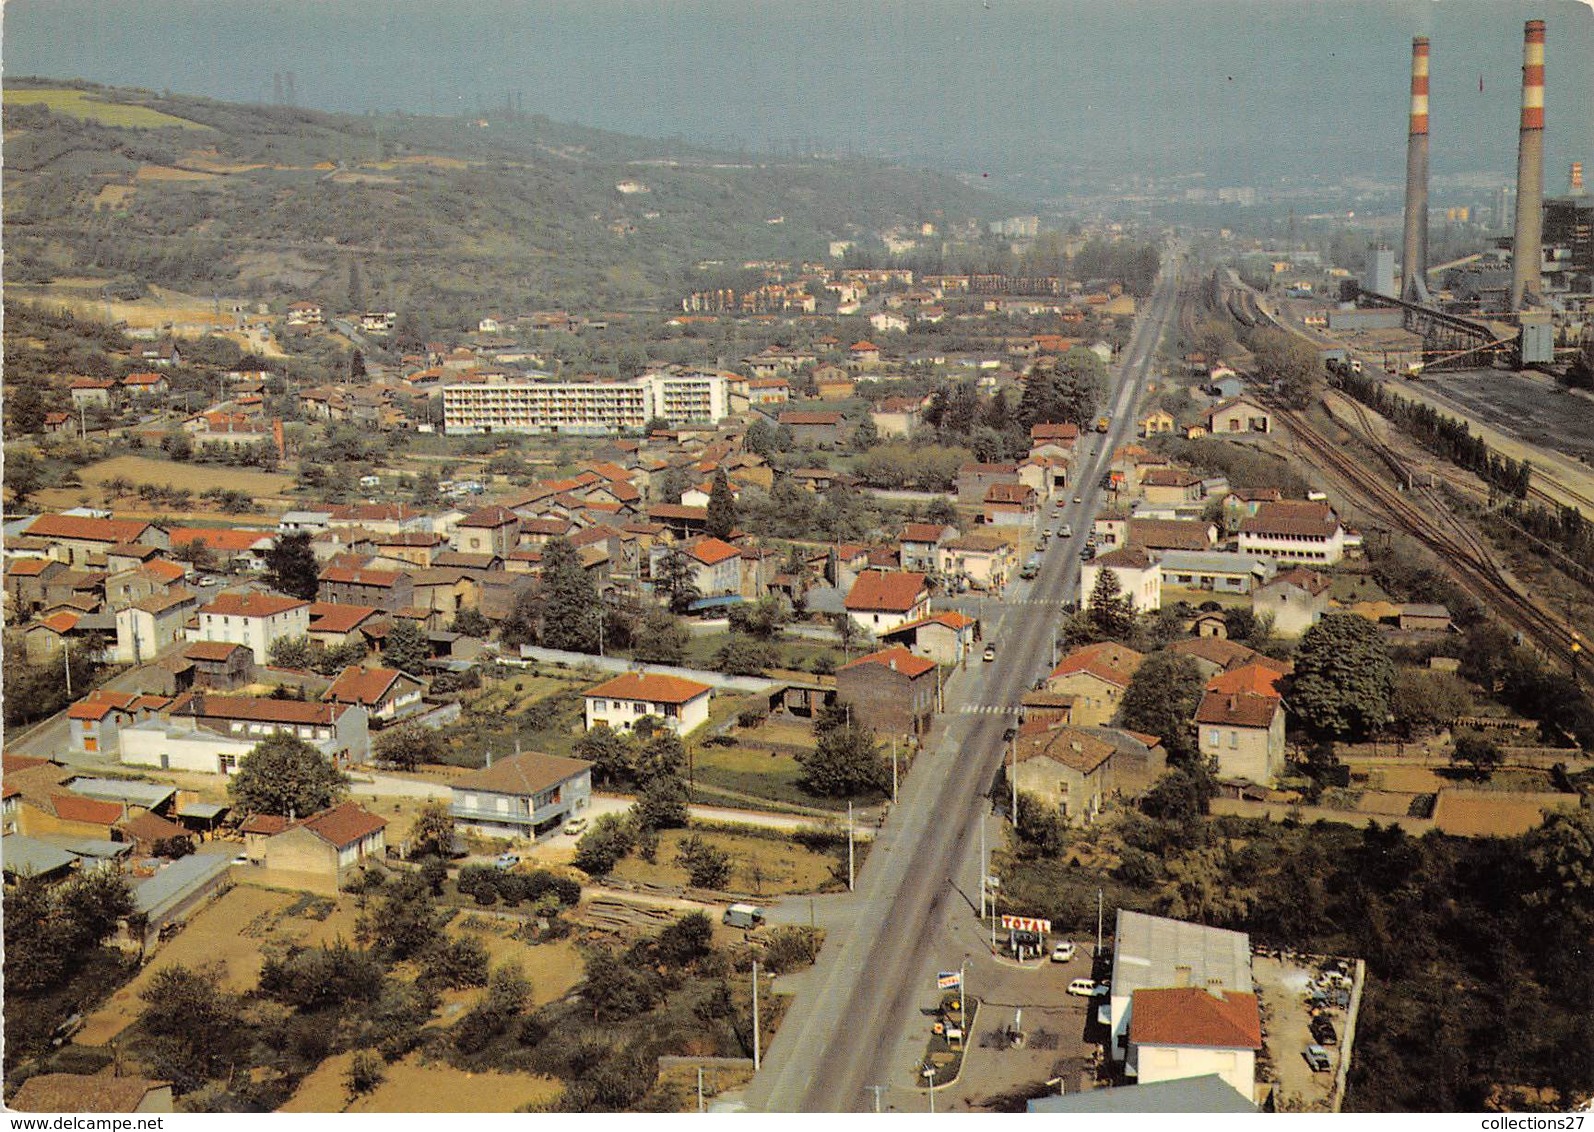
x,y
891,691
321,851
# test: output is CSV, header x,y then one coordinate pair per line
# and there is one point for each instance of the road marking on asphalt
x,y
988,709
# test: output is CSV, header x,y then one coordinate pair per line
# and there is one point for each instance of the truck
x,y
746,916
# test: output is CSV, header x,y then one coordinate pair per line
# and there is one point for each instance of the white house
x,y
883,600
1139,577
148,627
1190,1031
682,704
1152,952
1294,530
256,621
1243,731
212,734
1296,600
523,795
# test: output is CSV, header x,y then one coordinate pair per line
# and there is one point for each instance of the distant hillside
x,y
506,213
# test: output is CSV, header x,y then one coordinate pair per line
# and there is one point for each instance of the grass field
x,y
764,866
415,1087
162,307
84,105
766,773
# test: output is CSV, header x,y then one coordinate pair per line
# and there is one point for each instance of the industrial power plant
x,y
1488,317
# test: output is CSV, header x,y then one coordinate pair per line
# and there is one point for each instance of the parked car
x,y
747,916
1079,499
1317,1058
506,861
1089,988
990,652
1063,952
1323,1031
575,827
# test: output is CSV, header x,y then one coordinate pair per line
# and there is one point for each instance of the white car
x,y
1063,952
575,827
1079,499
1088,988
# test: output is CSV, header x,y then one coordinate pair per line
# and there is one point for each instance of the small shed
x,y
1425,617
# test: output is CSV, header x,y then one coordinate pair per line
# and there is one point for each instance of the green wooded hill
x,y
501,214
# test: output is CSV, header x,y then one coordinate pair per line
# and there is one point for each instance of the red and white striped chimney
x,y
1576,181
1526,246
1414,249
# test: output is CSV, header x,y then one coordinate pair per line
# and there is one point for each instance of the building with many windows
x,y
537,404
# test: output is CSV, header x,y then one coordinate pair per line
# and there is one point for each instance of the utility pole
x,y
757,1059
700,1107
1013,746
876,1090
66,664
849,848
893,770
929,1086
1098,922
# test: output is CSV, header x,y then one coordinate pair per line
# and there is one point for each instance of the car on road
x,y
1063,952
1047,533
1065,531
1317,1058
1088,988
1088,553
1079,499
506,861
990,652
575,827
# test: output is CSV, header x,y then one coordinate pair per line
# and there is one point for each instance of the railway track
x,y
1459,548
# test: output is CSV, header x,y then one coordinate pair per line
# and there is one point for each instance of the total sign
x,y
1026,924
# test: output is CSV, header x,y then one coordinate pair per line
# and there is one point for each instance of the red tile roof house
x,y
256,620
220,666
522,796
891,691
321,852
333,623
73,538
919,543
386,694
814,428
492,530
212,734
1179,1032
387,590
946,637
883,600
1243,730
617,704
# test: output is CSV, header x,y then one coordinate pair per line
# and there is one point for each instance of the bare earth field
x,y
414,1087
230,931
160,308
780,866
193,477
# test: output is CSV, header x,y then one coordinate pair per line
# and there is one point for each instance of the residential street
x,y
877,966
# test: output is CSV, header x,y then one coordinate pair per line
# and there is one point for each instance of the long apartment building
x,y
537,405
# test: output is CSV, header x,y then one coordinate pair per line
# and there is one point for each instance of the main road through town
x,y
845,1031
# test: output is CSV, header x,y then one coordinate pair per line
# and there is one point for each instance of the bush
x,y
602,846
751,717
706,865
456,964
790,948
366,1072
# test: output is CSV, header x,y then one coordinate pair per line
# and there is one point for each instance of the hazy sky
x,y
1241,88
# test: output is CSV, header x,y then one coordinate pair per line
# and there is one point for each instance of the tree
x,y
721,507
570,605
290,652
706,865
525,618
675,577
1291,362
1109,610
744,656
608,840
285,776
1041,830
762,618
1065,390
195,1030
845,761
1422,700
364,1074
1161,700
611,755
941,511
404,923
1478,751
661,639
405,647
688,939
24,475
662,803
432,833
613,989
1343,677
291,566
471,623
27,408
90,904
